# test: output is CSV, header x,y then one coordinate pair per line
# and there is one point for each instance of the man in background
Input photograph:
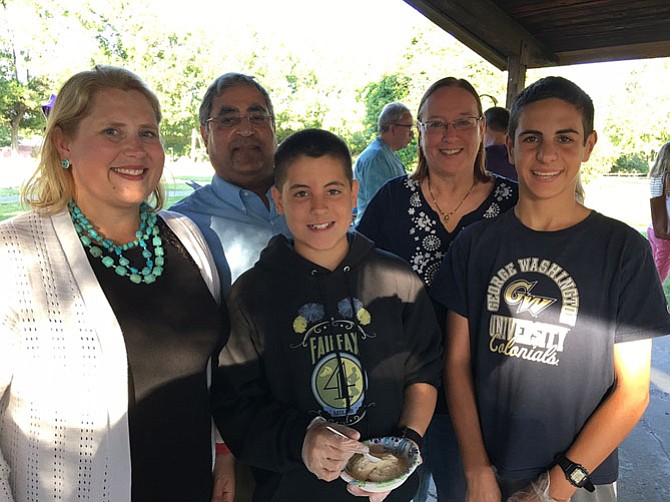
x,y
497,161
378,163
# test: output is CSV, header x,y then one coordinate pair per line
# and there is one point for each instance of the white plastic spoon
x,y
367,454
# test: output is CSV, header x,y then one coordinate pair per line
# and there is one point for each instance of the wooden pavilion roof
x,y
555,32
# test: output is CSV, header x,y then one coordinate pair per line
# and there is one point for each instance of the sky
x,y
340,32
351,23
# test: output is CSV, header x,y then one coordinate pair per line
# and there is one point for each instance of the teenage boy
x,y
325,329
552,309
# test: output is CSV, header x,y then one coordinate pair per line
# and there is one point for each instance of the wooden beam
x,y
486,29
615,53
516,74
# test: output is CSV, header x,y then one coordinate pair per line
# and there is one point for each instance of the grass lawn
x,y
9,209
9,205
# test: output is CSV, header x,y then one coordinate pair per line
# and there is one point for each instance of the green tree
x,y
21,92
20,106
298,99
634,163
129,34
171,65
631,112
433,54
637,122
299,96
375,96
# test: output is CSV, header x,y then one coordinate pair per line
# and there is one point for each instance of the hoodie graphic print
x,y
338,381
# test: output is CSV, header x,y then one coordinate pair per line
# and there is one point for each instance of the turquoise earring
x,y
65,164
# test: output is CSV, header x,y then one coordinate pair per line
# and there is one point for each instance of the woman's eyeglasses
x,y
441,127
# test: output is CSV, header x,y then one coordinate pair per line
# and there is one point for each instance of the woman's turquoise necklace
x,y
112,255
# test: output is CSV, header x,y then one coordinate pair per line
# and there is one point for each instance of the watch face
x,y
577,476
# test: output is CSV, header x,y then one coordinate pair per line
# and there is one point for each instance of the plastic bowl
x,y
401,446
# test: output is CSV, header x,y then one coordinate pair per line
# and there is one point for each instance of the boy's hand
x,y
326,454
483,487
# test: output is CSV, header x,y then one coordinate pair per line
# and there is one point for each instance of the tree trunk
x,y
14,127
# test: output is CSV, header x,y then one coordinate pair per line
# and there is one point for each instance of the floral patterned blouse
x,y
400,220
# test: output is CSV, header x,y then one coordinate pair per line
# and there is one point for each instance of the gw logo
x,y
518,293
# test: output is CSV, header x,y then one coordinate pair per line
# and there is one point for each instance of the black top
x,y
171,330
400,220
497,162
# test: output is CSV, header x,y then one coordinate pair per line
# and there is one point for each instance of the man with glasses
x,y
378,163
235,212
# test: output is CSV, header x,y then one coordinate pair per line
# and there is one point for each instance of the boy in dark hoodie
x,y
325,330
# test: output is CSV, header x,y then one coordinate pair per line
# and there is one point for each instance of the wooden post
x,y
517,65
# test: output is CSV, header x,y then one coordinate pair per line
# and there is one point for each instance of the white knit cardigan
x,y
63,365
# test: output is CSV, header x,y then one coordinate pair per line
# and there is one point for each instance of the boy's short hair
x,y
553,87
497,118
313,143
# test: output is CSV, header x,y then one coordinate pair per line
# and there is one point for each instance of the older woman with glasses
x,y
418,216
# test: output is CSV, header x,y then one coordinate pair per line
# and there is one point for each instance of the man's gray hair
x,y
391,113
226,81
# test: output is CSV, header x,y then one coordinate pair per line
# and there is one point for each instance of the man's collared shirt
x,y
375,166
235,223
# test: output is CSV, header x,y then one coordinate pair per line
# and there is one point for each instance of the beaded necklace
x,y
100,246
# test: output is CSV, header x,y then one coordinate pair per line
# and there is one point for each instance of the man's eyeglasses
x,y
260,119
441,127
408,126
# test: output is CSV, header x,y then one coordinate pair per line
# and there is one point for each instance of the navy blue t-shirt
x,y
544,311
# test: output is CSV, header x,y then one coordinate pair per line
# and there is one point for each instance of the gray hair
x,y
226,81
391,113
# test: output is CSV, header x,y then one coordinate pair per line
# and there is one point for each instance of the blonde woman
x,y
660,247
109,315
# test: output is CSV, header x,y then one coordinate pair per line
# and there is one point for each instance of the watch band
x,y
409,433
569,467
